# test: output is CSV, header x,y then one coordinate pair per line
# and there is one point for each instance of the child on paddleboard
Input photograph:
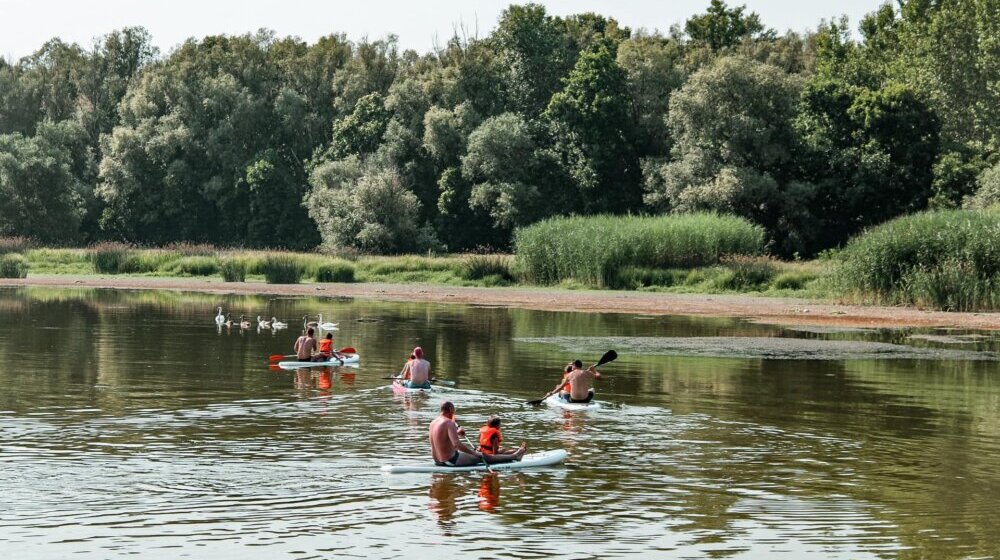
x,y
490,439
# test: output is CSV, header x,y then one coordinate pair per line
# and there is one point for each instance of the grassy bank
x,y
731,275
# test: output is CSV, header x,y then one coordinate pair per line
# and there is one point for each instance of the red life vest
x,y
486,444
325,346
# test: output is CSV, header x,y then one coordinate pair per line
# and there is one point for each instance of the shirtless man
x,y
448,449
416,373
580,383
304,346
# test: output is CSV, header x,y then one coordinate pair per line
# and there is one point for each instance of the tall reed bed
x,y
595,249
945,259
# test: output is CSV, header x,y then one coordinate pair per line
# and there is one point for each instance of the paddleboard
x,y
556,401
399,389
348,359
531,461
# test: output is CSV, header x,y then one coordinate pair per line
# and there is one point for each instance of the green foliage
x,y
593,128
282,269
480,266
368,208
792,280
194,266
987,189
747,272
946,259
721,27
593,249
13,265
335,272
233,269
110,257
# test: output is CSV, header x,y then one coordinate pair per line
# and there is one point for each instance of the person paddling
x,y
305,345
577,385
490,439
416,373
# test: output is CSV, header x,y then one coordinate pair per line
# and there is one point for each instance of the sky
x,y
419,24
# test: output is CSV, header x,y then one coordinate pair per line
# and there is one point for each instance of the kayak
x,y
535,460
399,389
558,402
348,359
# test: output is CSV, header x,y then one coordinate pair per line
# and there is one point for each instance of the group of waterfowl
x,y
226,320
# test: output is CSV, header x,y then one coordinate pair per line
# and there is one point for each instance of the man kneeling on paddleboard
x,y
416,373
578,383
449,451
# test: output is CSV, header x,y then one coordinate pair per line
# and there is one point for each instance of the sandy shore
x,y
779,311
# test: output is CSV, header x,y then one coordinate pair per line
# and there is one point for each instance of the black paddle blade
x,y
608,356
536,403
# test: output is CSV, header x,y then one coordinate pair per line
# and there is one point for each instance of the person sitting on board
x,y
326,350
579,384
563,386
416,373
304,346
489,443
446,447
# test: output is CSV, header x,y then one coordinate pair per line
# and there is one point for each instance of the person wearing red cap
x,y
417,372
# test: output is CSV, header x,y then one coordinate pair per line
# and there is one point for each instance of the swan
x,y
263,324
244,324
276,324
220,319
327,326
306,323
229,322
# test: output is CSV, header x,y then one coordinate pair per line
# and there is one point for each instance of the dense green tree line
x,y
264,141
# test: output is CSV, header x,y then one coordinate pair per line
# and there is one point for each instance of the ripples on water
x,y
163,438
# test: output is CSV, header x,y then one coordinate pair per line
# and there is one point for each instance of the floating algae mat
x,y
766,348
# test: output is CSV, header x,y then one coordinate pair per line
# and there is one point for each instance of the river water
x,y
130,425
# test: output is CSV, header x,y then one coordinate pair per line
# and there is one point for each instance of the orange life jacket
x,y
486,444
325,346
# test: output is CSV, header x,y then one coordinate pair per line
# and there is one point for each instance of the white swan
x,y
261,324
306,323
276,324
220,319
327,326
244,324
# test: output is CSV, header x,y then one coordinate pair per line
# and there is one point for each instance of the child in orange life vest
x,y
325,348
490,438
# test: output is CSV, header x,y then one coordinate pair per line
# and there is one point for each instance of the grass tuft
x,y
335,272
282,269
13,265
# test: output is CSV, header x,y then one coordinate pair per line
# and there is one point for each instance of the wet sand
x,y
778,311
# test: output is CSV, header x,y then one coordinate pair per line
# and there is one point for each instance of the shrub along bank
x,y
944,260
615,251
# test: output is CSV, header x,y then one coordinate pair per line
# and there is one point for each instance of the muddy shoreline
x,y
767,310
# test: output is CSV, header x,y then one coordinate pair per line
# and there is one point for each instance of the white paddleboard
x,y
534,460
347,359
554,400
401,389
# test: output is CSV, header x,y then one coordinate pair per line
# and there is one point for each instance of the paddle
x,y
468,441
279,357
608,356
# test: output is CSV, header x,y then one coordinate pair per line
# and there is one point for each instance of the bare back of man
x,y
304,346
446,445
581,382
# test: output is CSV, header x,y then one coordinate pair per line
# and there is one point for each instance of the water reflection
x,y
124,416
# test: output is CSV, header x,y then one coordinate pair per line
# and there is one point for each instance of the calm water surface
x,y
130,425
